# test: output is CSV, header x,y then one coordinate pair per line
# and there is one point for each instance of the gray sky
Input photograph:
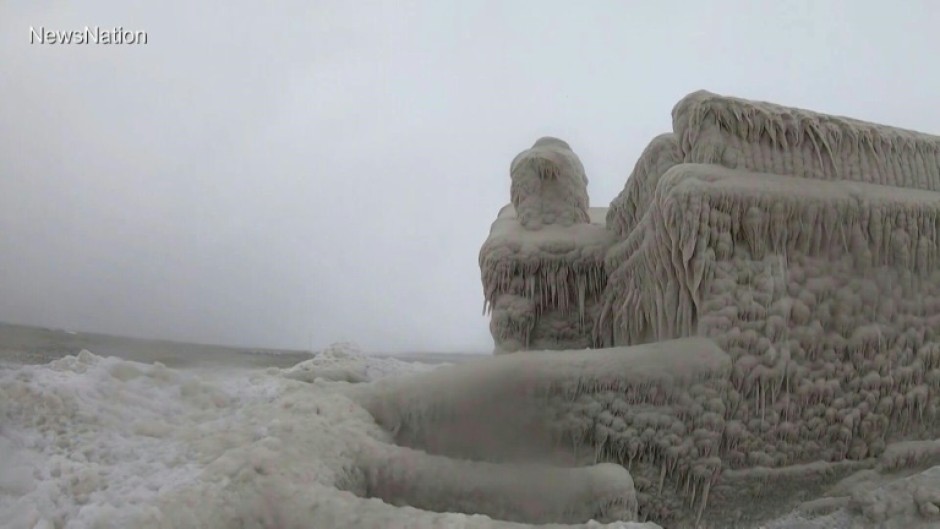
x,y
260,175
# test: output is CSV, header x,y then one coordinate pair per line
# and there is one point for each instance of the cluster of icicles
x,y
550,282
525,297
829,364
704,214
670,443
768,138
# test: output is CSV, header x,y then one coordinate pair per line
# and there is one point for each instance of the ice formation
x,y
544,286
543,261
804,246
93,442
549,185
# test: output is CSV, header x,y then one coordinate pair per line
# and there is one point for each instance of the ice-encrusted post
x,y
542,264
549,185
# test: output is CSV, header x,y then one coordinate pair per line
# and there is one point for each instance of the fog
x,y
299,173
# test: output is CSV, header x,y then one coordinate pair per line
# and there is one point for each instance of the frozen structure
x,y
804,247
543,263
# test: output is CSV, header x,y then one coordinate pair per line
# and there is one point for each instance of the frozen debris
x,y
873,501
543,261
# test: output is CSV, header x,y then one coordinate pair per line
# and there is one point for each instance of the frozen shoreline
x,y
90,440
37,345
94,441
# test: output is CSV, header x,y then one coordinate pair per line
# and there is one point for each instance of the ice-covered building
x,y
771,195
805,246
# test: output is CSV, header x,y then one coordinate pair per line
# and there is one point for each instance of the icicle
x,y
703,503
581,292
662,476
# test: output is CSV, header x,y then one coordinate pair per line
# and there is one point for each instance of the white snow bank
x,y
92,442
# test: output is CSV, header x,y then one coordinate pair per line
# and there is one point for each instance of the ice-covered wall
x,y
826,295
542,264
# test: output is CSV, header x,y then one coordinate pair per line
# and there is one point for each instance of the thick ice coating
x,y
543,261
769,138
543,287
807,248
637,406
549,185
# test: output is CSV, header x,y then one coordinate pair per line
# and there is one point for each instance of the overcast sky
x,y
291,174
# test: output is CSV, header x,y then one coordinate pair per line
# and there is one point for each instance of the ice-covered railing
x,y
542,264
768,138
